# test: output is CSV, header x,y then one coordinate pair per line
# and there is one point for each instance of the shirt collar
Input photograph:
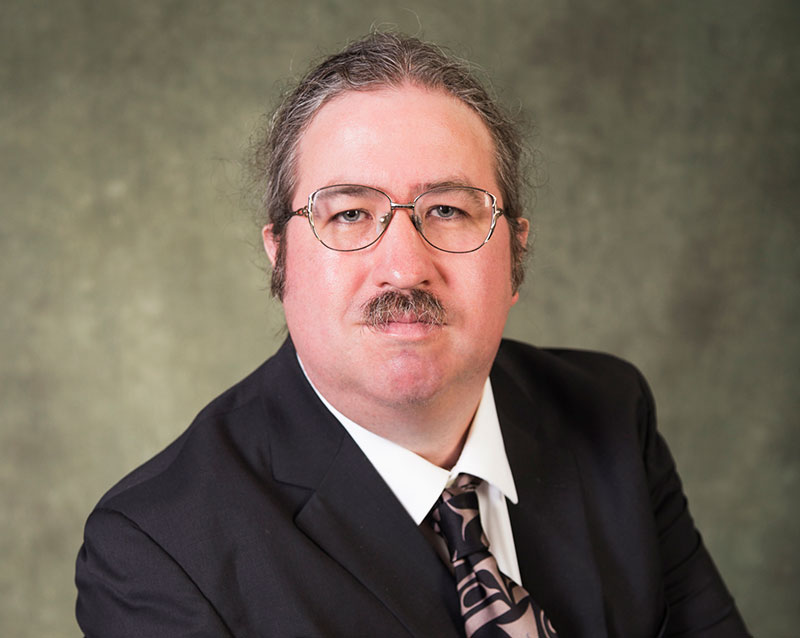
x,y
418,483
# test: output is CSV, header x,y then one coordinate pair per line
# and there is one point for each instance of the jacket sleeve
x,y
700,605
129,586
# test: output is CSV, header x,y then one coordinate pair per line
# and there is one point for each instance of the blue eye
x,y
445,212
350,216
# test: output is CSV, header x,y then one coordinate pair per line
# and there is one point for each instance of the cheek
x,y
489,290
483,295
493,267
301,272
337,277
320,283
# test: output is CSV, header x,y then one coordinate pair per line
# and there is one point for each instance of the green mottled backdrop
x,y
668,137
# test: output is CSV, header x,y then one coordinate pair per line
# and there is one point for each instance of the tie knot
x,y
457,519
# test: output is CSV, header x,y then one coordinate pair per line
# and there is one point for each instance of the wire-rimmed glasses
x,y
454,219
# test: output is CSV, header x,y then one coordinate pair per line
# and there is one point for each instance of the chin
x,y
406,389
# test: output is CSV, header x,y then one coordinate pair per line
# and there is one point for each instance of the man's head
x,y
382,60
410,320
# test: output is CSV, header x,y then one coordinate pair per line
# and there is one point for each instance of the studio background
x,y
666,220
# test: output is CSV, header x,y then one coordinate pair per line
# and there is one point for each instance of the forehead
x,y
396,139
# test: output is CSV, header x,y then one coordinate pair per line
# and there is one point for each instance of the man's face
x,y
399,141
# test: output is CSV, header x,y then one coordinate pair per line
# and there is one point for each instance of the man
x,y
396,469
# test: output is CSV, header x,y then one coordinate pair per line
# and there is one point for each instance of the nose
x,y
403,259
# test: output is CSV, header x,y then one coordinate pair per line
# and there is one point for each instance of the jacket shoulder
x,y
565,370
584,395
227,433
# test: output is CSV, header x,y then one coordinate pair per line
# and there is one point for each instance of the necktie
x,y
492,604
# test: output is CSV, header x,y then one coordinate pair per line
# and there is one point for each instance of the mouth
x,y
408,319
407,328
418,309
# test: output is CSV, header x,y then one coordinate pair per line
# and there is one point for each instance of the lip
x,y
406,328
406,319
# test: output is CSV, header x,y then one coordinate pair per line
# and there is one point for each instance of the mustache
x,y
392,305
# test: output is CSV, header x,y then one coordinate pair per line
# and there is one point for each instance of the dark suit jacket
x,y
265,519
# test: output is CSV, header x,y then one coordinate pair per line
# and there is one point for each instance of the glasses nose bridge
x,y
393,206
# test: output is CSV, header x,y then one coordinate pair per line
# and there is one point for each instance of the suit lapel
x,y
355,519
353,516
551,534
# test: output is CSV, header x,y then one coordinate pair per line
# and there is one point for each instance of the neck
x,y
435,429
436,433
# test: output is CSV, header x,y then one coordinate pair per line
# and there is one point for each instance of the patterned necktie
x,y
492,604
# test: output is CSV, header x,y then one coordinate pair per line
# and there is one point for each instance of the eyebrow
x,y
445,183
351,189
419,187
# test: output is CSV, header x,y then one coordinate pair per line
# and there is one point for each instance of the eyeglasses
x,y
454,219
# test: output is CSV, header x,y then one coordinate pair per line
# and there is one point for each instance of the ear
x,y
523,229
270,243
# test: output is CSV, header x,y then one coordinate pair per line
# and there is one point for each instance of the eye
x,y
351,216
445,212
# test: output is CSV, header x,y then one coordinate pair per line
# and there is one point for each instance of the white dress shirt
x,y
418,483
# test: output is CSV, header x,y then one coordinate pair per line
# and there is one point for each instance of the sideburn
x,y
278,279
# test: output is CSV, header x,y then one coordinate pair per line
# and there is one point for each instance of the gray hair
x,y
380,60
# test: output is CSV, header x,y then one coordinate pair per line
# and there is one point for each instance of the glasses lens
x,y
349,217
455,219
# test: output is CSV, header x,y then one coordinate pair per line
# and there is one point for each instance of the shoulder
x,y
226,416
566,371
586,396
226,444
